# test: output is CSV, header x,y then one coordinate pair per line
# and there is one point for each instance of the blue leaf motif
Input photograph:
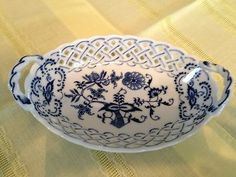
x,y
48,91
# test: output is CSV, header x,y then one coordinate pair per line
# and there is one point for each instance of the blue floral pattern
x,y
83,109
91,91
48,91
133,80
195,95
192,95
44,87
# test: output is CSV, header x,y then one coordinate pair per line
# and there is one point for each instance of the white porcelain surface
x,y
120,93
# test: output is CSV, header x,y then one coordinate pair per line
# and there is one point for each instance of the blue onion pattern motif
x,y
197,100
118,112
119,108
44,86
133,80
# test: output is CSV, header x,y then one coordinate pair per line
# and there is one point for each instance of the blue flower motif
x,y
98,79
192,96
97,93
154,92
48,91
82,109
93,77
133,80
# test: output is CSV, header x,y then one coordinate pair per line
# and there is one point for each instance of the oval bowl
x,y
120,93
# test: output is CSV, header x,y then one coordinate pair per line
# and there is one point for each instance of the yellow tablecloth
x,y
206,29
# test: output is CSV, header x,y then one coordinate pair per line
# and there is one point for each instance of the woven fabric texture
x,y
203,28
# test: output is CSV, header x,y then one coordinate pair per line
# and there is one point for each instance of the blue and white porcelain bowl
x,y
120,93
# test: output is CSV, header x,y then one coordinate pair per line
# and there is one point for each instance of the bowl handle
x,y
228,85
15,74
